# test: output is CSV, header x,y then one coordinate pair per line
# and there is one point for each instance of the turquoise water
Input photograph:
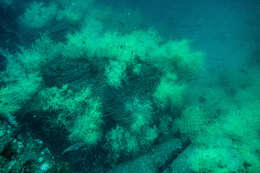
x,y
130,86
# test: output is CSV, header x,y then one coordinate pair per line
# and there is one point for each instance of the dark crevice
x,y
174,155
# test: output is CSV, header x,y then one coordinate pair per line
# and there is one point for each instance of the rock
x,y
152,162
20,154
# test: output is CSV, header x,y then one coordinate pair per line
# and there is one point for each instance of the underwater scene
x,y
129,86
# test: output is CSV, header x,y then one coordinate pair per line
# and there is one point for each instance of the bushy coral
x,y
39,14
139,134
169,91
124,56
78,112
138,45
13,96
121,142
140,112
128,85
115,73
64,99
42,52
18,86
87,127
